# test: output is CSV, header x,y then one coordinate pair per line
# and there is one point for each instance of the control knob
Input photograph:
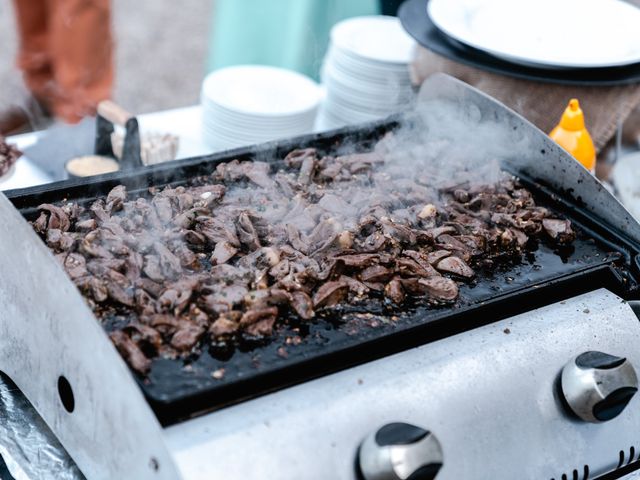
x,y
597,386
399,451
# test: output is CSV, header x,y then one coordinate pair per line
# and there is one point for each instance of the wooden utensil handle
x,y
113,112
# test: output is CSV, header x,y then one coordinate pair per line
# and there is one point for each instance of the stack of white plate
x,y
366,70
250,104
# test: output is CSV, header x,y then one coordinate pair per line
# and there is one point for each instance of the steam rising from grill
x,y
237,251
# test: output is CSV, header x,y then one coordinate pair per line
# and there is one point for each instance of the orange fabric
x,y
66,53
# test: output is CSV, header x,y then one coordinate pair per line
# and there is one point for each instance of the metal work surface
x,y
47,331
488,395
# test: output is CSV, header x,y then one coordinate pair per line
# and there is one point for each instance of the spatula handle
x,y
113,112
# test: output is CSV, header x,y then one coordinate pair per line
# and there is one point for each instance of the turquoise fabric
x,y
292,34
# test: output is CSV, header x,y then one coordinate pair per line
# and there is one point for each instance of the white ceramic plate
x,y
344,112
244,134
387,101
233,127
545,33
357,63
390,86
259,119
362,76
262,90
376,38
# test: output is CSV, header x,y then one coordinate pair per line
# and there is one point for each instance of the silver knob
x,y
598,386
399,451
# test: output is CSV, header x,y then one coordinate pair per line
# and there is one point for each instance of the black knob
x,y
613,405
399,451
597,386
600,360
399,434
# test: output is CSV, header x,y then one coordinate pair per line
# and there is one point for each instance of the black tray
x,y
598,258
414,18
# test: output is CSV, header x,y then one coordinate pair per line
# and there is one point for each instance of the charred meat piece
x,y
307,170
116,198
440,288
222,253
330,294
246,232
132,354
259,322
223,326
57,217
559,230
376,273
302,304
187,336
455,266
394,291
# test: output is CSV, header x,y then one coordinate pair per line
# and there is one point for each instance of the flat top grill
x,y
350,335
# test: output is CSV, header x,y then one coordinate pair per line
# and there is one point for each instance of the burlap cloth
x,y
540,103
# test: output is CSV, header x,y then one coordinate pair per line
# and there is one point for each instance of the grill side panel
x,y
53,348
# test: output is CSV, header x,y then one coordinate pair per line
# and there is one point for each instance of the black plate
x,y
414,18
353,335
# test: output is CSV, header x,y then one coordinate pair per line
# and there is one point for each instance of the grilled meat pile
x,y
9,155
235,253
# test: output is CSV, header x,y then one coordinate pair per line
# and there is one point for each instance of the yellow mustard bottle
x,y
572,135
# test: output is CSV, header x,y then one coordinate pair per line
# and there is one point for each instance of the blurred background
x,y
169,40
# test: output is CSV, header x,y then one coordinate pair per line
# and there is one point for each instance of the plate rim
x,y
525,60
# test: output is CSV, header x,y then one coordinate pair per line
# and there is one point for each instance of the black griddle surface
x,y
339,338
342,328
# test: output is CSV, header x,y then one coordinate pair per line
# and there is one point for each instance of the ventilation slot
x,y
575,475
624,459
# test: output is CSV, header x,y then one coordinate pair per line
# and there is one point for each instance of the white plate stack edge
x,y
366,71
250,104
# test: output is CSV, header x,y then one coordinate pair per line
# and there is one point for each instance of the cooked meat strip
x,y
440,288
559,230
394,291
131,352
223,326
187,336
58,219
330,294
302,304
222,253
434,257
259,322
376,273
455,266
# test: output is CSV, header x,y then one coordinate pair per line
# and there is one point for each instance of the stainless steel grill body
x,y
488,394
